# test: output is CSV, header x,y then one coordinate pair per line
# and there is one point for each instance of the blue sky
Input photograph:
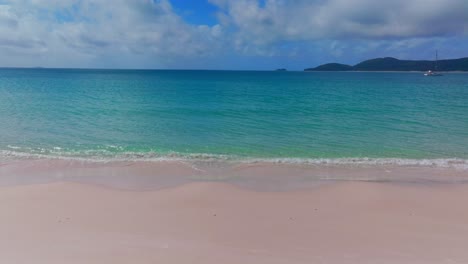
x,y
227,34
196,12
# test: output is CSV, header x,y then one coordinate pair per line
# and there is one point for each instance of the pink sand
x,y
354,222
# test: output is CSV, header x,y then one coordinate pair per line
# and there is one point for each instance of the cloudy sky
x,y
227,34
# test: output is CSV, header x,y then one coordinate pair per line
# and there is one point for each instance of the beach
x,y
134,166
233,132
172,212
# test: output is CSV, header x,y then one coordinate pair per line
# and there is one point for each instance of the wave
x,y
105,156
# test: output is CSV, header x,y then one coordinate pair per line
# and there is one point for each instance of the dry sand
x,y
208,222
182,221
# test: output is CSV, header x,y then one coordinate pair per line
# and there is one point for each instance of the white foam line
x,y
200,157
444,163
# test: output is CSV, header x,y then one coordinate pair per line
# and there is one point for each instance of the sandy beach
x,y
58,219
233,132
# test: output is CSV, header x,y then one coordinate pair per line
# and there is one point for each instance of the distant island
x,y
392,64
281,69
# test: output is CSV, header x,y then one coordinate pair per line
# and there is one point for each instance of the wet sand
x,y
259,176
187,214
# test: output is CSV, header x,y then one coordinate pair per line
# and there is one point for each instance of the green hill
x,y
333,67
392,64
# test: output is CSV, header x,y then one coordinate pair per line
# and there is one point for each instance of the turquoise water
x,y
223,114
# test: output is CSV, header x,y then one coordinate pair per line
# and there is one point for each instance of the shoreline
x,y
259,176
107,157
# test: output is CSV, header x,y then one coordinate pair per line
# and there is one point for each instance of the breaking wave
x,y
106,156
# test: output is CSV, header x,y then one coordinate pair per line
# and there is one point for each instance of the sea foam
x,y
96,156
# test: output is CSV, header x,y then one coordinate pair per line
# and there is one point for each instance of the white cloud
x,y
282,20
149,33
81,32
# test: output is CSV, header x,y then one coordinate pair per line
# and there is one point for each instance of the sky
x,y
227,34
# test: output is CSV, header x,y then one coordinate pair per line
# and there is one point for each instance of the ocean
x,y
309,117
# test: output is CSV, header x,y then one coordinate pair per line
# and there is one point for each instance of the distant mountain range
x,y
392,64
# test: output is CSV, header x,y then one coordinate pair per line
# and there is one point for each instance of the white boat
x,y
434,73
